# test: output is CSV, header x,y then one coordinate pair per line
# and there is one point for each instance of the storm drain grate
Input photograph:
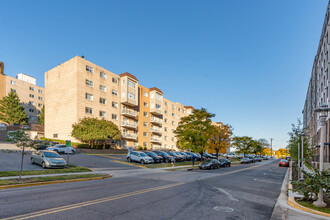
x,y
223,209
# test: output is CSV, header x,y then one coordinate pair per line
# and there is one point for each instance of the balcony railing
x,y
156,120
129,136
129,112
156,130
129,124
156,140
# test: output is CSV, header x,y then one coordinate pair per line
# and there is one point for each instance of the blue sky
x,y
249,62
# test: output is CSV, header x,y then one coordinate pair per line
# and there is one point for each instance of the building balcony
x,y
156,130
155,140
128,124
156,120
130,136
129,112
156,111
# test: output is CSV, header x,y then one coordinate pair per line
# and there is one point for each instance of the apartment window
x,y
103,75
40,98
14,90
31,103
152,95
166,103
131,95
131,84
40,91
145,94
165,128
114,116
89,82
88,110
103,101
103,114
145,104
166,112
89,96
89,69
179,109
55,135
165,120
145,144
31,88
172,138
145,124
173,115
103,88
158,106
114,80
165,138
173,123
145,134
40,105
173,107
159,97
31,96
115,104
114,92
152,106
145,114
13,82
31,110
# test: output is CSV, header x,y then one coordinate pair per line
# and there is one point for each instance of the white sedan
x,y
61,148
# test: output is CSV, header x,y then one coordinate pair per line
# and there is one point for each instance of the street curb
x,y
292,202
52,182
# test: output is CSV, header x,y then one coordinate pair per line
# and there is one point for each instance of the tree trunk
x,y
20,172
104,145
217,152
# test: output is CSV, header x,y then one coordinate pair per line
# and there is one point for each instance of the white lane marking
x,y
226,193
265,181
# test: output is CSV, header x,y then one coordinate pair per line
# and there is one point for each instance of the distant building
x,y
31,95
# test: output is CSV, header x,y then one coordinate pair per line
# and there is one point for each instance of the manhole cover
x,y
222,209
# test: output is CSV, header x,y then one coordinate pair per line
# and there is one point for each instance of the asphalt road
x,y
238,192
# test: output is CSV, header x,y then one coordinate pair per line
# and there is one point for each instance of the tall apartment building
x,y
31,95
78,88
318,94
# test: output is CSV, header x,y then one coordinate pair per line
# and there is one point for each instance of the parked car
x,y
209,156
252,160
48,159
265,158
225,163
166,158
283,163
187,156
193,155
138,157
180,156
212,164
157,159
61,148
245,160
4,125
177,158
258,159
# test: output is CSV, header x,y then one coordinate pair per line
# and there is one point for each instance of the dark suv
x,y
157,159
166,157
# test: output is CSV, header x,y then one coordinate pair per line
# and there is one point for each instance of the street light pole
x,y
271,146
298,160
323,118
302,156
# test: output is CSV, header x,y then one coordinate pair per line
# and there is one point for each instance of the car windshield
x,y
143,154
152,154
164,153
51,154
284,161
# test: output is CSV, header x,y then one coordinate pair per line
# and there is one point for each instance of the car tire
x,y
56,151
142,161
229,165
211,167
32,161
43,165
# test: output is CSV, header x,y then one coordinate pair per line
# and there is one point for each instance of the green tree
x,y
11,111
243,144
95,131
21,140
256,147
42,115
220,138
295,138
193,131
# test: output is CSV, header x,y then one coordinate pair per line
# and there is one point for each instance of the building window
x,y
131,84
159,97
90,69
89,82
165,138
103,101
40,98
14,90
115,104
114,92
114,116
145,94
103,114
89,96
31,110
165,120
173,123
145,144
165,128
55,135
12,82
179,109
114,80
172,138
40,91
31,88
103,75
88,110
145,124
173,107
166,112
145,104
31,96
145,114
173,115
31,103
131,95
103,88
166,104
158,106
145,134
39,105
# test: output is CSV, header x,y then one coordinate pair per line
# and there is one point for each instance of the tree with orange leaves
x,y
220,138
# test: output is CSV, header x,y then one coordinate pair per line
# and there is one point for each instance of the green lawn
x,y
162,165
70,169
311,206
48,178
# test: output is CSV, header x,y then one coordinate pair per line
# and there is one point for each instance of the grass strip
x,y
162,165
69,169
48,179
311,206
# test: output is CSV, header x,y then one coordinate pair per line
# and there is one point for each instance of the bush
x,y
144,148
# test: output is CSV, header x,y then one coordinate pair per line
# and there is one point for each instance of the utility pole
x,y
271,146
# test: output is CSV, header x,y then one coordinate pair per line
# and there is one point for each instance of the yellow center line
x,y
107,199
134,165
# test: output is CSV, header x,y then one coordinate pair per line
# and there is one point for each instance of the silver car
x,y
61,148
48,159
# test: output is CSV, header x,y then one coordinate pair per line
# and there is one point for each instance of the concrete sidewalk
x,y
282,210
